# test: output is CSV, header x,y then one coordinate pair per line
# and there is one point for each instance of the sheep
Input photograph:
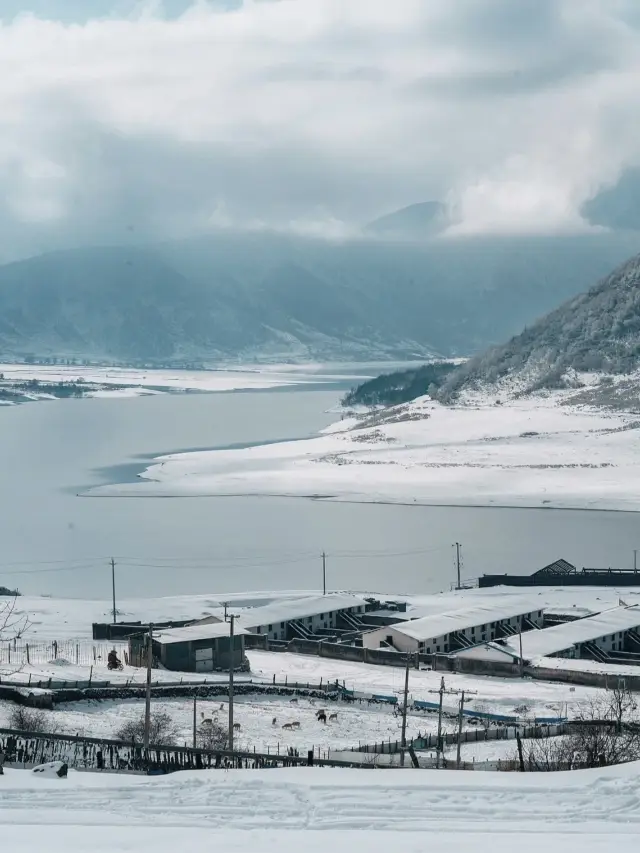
x,y
288,726
274,722
236,727
333,717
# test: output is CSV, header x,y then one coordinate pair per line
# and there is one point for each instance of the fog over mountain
x,y
308,177
237,295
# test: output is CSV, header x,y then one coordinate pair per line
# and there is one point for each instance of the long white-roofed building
x,y
447,632
303,617
613,630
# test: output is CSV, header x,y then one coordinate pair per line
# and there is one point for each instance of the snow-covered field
x,y
138,381
315,810
355,724
533,452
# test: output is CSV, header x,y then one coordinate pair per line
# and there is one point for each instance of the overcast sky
x,y
121,118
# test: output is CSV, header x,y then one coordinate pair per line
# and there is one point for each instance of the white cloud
x,y
273,111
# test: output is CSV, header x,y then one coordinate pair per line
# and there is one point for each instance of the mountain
x,y
597,332
263,295
415,222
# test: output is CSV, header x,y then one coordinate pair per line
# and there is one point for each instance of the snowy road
x,y
573,811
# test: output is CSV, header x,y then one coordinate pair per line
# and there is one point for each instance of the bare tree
x,y
13,623
26,719
605,731
212,736
163,730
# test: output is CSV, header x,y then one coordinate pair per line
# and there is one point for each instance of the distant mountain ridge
x,y
245,296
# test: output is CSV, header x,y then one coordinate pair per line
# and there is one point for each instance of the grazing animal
x,y
236,727
222,706
274,722
205,721
288,726
295,724
321,717
333,717
294,700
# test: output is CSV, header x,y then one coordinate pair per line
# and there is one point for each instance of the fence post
x,y
28,661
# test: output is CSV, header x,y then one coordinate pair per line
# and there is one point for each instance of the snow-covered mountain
x,y
592,341
265,295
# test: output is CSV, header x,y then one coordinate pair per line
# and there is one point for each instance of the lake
x,y
54,542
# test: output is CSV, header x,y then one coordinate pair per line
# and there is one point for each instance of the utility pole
x,y
113,588
635,559
195,720
147,705
231,620
442,690
458,564
324,573
460,719
521,657
403,740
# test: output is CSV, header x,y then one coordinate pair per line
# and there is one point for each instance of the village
x,y
484,678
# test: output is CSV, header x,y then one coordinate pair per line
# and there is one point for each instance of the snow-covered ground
x,y
533,452
138,381
315,810
255,713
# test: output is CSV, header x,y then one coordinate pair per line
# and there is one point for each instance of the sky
x,y
126,120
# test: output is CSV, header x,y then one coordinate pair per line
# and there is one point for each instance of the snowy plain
x,y
319,809
534,452
131,382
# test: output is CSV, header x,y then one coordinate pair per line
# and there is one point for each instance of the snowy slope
x,y
316,810
533,452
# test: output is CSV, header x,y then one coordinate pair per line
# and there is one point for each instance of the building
x,y
614,630
200,648
563,573
447,632
304,617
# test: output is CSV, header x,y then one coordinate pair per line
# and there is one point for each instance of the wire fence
x,y
81,653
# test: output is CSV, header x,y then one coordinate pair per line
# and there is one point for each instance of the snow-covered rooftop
x,y
456,620
209,631
300,608
559,638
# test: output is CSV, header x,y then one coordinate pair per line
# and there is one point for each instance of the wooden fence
x,y
28,749
16,654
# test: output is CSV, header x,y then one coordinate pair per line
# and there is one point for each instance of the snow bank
x,y
524,453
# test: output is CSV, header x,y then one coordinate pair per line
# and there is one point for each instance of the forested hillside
x,y
390,389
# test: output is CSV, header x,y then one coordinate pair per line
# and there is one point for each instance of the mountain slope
x,y
415,222
264,295
597,331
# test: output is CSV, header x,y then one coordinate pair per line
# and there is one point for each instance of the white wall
x,y
402,643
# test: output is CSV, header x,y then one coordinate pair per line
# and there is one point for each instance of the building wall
x,y
201,655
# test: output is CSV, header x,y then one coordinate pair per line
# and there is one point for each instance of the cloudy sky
x,y
121,118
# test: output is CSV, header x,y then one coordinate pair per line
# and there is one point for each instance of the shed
x,y
200,648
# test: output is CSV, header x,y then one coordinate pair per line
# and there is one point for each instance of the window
x,y
390,639
428,650
282,624
437,648
321,616
271,627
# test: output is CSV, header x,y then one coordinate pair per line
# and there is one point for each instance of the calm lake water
x,y
54,542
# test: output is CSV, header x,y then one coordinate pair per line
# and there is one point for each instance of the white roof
x,y
439,624
298,608
559,638
210,631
